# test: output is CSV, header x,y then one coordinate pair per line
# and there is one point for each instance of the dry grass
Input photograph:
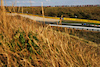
x,y
25,43
93,36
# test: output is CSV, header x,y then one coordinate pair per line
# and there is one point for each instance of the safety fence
x,y
83,20
69,19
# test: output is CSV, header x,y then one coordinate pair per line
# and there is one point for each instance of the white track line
x,y
77,27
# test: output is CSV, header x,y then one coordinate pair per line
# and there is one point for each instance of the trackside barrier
x,y
82,20
76,27
96,25
71,19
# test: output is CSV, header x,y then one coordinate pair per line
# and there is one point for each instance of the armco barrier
x,y
82,20
71,19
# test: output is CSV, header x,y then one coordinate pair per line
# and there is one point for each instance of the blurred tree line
x,y
92,13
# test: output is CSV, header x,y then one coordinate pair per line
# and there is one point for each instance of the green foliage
x,y
51,14
36,47
19,46
29,48
35,38
22,39
88,16
23,42
60,13
1,36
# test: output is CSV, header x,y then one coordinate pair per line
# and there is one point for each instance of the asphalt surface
x,y
53,22
36,18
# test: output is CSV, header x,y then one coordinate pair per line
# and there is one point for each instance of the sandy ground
x,y
36,18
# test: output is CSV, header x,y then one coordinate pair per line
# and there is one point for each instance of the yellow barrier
x,y
71,19
82,20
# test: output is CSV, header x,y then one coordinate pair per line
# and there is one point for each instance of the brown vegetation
x,y
26,43
93,36
92,13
